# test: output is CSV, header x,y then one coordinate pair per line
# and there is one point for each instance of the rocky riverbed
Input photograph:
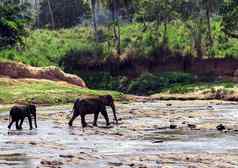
x,y
150,134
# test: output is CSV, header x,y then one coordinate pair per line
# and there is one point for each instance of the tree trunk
x,y
116,26
208,15
93,4
51,14
36,6
165,35
198,40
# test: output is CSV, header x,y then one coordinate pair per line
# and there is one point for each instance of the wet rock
x,y
51,163
142,166
66,156
210,107
172,126
118,134
116,163
220,127
33,143
131,164
158,141
192,126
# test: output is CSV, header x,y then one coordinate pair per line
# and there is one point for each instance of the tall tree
x,y
229,12
116,25
192,15
14,17
63,13
51,14
94,18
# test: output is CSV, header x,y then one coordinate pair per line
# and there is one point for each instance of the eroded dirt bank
x,y
19,70
146,137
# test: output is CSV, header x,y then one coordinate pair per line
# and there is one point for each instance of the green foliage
x,y
66,13
102,80
13,18
229,11
151,83
201,87
146,83
44,47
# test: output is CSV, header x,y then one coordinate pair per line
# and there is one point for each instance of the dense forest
x,y
75,34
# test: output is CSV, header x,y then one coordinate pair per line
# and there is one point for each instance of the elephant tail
x,y
74,107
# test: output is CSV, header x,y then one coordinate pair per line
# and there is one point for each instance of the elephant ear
x,y
32,108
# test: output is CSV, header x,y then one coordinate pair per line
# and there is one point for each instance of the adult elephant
x,y
19,113
93,105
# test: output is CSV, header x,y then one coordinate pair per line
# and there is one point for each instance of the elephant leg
x,y
17,124
95,119
72,119
83,122
10,124
30,122
105,115
20,126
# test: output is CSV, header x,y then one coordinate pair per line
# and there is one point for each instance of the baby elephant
x,y
93,105
18,114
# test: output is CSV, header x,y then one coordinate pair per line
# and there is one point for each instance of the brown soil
x,y
19,70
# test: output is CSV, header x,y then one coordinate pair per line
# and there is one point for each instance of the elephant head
x,y
32,111
108,101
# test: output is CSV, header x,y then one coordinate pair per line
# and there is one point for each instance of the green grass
x,y
45,92
201,87
47,47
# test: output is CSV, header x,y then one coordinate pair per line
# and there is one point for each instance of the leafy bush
x,y
13,19
178,77
145,83
101,80
149,83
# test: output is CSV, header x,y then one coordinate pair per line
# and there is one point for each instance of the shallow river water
x,y
143,138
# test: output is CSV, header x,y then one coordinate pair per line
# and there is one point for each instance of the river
x,y
150,134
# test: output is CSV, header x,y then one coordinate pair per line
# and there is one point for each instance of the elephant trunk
x,y
114,112
35,120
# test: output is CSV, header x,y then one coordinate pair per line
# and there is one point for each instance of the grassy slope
x,y
44,92
217,90
45,47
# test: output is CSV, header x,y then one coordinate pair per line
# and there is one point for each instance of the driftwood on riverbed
x,y
19,70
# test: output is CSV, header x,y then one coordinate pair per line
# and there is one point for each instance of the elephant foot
x,y
18,128
70,124
85,125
